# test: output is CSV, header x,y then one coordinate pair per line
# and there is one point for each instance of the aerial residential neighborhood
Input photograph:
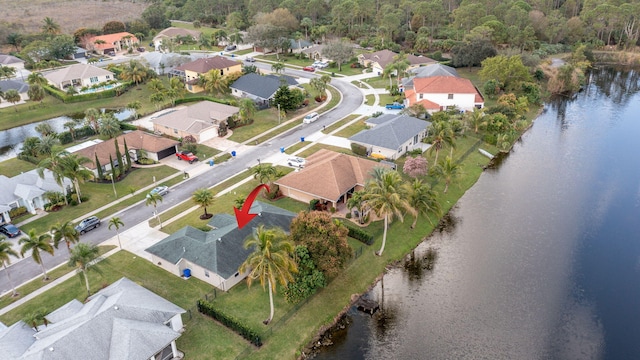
x,y
229,184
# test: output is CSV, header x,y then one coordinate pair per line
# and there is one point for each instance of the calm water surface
x,y
541,258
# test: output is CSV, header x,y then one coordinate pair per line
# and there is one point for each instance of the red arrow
x,y
242,216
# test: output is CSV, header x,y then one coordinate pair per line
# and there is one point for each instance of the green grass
x,y
101,194
243,52
370,99
295,147
317,147
336,96
352,129
386,99
339,123
205,152
294,206
36,284
15,166
378,82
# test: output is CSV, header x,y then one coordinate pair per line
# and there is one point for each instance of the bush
x,y
230,322
348,215
17,212
359,234
313,203
358,149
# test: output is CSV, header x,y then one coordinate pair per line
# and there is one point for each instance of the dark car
x,y
10,230
141,49
87,224
230,47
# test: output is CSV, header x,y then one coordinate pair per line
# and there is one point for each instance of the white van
x,y
310,118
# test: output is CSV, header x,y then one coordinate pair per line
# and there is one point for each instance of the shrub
x,y
230,322
358,149
313,203
348,215
359,234
17,212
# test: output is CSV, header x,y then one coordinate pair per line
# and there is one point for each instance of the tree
x,y
423,200
92,118
72,168
127,157
204,197
5,259
288,99
306,23
36,78
45,129
472,53
84,257
307,280
36,243
265,173
475,118
46,144
53,164
7,72
270,262
509,71
388,198
116,223
247,109
61,46
440,134
153,199
134,106
134,71
338,51
50,27
15,39
64,232
448,170
36,93
13,97
109,125
278,67
156,16
213,82
325,238
356,201
415,166
113,27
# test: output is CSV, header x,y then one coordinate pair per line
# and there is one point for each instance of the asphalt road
x,y
27,269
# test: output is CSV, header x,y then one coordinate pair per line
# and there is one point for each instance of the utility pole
x,y
278,114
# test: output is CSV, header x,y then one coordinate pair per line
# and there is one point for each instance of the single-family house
x,y
155,147
174,33
78,75
20,86
79,53
12,61
191,71
297,46
438,93
315,52
260,88
28,189
105,44
200,120
215,256
379,60
328,176
122,321
392,135
427,71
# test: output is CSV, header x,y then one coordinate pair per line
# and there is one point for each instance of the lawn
x,y
317,147
378,82
339,123
370,99
101,194
386,99
15,166
352,129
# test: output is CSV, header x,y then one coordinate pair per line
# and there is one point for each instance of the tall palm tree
x,y
36,243
388,198
64,232
135,72
278,67
247,109
53,163
213,82
271,260
92,118
134,106
116,223
236,38
448,170
265,173
204,197
83,258
5,252
36,93
356,201
73,169
440,134
154,199
71,127
423,200
12,96
220,36
36,78
109,125
50,26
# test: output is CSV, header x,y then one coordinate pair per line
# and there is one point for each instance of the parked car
x,y
309,68
296,162
230,47
141,49
394,106
186,156
88,224
9,230
111,53
250,59
310,118
160,190
320,65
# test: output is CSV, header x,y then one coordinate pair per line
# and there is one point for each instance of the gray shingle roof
x,y
20,86
429,71
220,250
391,131
261,86
9,59
28,185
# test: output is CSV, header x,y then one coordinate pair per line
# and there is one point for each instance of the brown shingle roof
x,y
328,174
385,57
197,117
174,31
204,65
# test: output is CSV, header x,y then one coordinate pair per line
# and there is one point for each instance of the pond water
x,y
11,139
539,260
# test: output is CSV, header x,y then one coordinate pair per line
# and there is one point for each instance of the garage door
x,y
166,152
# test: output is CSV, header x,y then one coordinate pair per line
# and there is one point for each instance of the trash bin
x,y
211,162
282,149
233,153
302,139
186,273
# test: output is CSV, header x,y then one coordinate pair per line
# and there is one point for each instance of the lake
x,y
539,260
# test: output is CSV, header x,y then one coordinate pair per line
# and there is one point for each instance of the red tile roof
x,y
110,39
444,85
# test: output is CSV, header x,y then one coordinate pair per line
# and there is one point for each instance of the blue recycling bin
x,y
233,55
211,162
282,149
302,139
233,153
186,273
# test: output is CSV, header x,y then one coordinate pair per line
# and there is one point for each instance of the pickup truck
x,y
186,156
394,106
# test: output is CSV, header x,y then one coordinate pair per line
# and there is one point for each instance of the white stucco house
x,y
79,75
438,93
391,135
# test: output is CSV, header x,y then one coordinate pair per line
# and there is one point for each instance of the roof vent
x,y
50,349
220,239
116,307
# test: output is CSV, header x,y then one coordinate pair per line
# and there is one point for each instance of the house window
x,y
450,96
420,96
108,77
237,274
206,273
175,131
415,139
93,79
400,149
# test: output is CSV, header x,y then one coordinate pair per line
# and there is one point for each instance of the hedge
x,y
201,98
230,322
358,233
61,95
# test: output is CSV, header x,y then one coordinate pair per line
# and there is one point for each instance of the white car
x,y
160,190
310,118
296,162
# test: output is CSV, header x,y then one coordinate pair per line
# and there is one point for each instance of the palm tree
x,y
5,252
36,243
44,129
440,133
423,200
204,197
72,168
36,93
135,72
356,201
83,258
64,232
220,36
71,127
265,173
154,199
448,170
387,197
53,164
47,144
109,125
270,261
157,99
134,106
278,67
247,109
92,117
12,96
36,78
204,42
213,82
475,118
117,223
50,26
236,38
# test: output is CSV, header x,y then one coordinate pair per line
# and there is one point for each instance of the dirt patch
x,y
69,14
